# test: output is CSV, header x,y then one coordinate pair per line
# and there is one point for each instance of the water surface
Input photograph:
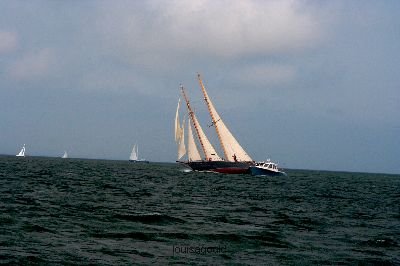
x,y
77,211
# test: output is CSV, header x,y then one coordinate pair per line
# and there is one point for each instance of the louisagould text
x,y
201,250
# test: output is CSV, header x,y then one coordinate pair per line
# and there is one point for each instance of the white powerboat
x,y
267,168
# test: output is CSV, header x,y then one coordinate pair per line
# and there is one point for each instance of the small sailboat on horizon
x,y
65,155
22,152
135,155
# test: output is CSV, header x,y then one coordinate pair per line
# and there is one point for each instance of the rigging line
x,y
212,123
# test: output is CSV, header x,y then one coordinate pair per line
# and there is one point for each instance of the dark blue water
x,y
55,211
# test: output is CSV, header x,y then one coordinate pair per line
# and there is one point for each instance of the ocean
x,y
103,212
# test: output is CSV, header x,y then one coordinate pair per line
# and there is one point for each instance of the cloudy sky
x,y
309,84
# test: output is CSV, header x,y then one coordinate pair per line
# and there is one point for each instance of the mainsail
x,y
232,150
65,156
209,152
193,152
208,149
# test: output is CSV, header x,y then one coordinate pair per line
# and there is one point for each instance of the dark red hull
x,y
220,166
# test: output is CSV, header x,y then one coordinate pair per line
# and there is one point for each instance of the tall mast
x,y
214,122
233,151
191,114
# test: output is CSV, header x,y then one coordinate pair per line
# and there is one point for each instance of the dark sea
x,y
99,212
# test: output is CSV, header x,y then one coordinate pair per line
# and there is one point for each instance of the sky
x,y
308,84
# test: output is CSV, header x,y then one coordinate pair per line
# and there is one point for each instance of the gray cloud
x,y
8,41
167,32
33,66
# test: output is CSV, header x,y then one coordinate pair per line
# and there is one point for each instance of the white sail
x,y
65,156
181,144
133,156
231,147
209,152
193,152
208,149
178,129
22,152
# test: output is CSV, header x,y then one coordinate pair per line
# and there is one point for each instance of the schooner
x,y
235,159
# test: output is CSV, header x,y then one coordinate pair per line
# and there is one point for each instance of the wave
x,y
299,222
36,228
330,196
151,218
6,219
262,239
147,236
132,235
380,242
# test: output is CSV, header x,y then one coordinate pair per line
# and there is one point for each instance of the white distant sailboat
x,y
22,152
65,156
135,156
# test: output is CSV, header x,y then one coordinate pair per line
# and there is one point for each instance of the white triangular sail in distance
x,y
134,155
65,156
231,147
22,152
181,144
192,151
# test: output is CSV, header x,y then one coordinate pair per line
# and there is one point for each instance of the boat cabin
x,y
267,165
